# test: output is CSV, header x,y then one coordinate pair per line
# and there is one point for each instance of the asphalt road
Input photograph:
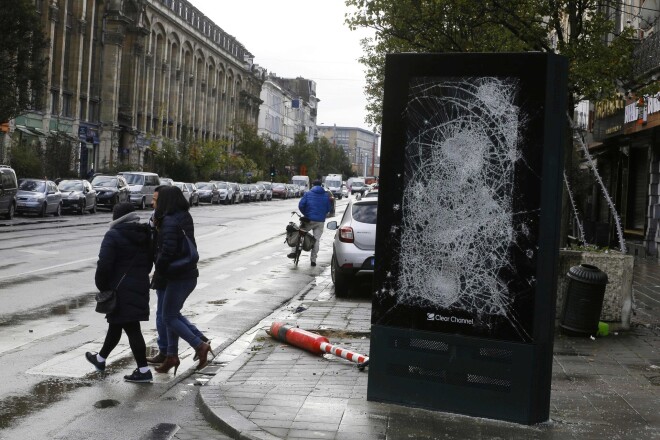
x,y
47,319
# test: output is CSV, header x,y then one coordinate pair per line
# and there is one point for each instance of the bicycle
x,y
296,236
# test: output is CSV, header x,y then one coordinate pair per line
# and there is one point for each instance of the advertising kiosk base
x,y
459,374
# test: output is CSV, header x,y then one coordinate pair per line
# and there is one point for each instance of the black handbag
x,y
189,256
106,300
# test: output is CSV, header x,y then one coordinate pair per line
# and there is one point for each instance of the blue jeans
x,y
161,328
176,293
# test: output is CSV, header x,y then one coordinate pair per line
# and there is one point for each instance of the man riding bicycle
x,y
315,205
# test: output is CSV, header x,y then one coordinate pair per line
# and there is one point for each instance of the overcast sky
x,y
305,38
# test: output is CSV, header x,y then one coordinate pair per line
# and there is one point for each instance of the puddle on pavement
x,y
56,309
42,395
106,403
217,302
51,391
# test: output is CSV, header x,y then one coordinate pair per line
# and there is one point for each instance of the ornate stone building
x,y
125,74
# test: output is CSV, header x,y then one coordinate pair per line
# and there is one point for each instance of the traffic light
x,y
272,171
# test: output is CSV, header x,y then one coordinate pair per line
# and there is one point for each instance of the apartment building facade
x,y
125,75
360,145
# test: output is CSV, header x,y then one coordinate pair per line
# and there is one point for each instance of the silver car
x,y
354,244
78,196
38,196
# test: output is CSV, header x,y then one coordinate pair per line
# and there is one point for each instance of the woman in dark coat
x,y
173,224
125,261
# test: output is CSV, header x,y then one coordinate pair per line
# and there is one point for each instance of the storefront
x,y
628,158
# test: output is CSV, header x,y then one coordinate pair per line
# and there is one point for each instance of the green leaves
x,y
577,29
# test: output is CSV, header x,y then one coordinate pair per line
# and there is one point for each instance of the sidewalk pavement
x,y
608,387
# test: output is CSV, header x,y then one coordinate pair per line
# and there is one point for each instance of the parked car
x,y
253,192
237,194
166,181
358,187
223,189
194,194
245,192
371,194
141,186
208,192
344,190
77,195
185,190
290,190
38,196
268,187
280,190
354,244
332,202
261,192
110,190
8,190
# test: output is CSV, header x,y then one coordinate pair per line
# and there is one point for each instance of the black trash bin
x,y
583,300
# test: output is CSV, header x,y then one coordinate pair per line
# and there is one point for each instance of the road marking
x,y
200,286
268,257
48,268
38,252
254,263
23,334
240,269
224,276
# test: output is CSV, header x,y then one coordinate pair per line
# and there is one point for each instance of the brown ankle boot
x,y
203,353
158,359
170,361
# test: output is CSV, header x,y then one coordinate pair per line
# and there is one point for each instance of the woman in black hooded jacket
x,y
125,261
173,224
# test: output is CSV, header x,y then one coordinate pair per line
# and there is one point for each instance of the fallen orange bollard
x,y
312,342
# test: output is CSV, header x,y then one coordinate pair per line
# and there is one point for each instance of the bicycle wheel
x,y
298,250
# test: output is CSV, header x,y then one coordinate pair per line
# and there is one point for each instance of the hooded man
x,y
315,205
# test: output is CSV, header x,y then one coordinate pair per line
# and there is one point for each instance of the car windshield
x,y
70,185
134,179
358,184
204,186
333,183
222,185
365,213
373,194
104,181
32,185
190,186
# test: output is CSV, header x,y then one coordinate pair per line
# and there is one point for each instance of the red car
x,y
280,190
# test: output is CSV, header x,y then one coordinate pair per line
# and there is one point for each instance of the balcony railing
x,y
646,56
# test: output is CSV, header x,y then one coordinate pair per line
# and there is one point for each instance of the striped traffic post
x,y
312,342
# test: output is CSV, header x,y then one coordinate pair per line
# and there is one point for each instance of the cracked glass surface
x,y
462,233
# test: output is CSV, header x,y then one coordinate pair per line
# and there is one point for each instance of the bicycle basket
x,y
308,242
291,235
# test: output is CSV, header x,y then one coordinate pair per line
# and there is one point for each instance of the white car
x,y
354,244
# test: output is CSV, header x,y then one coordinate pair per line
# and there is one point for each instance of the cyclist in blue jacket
x,y
315,205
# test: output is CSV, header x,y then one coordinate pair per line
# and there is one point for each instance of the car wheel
x,y
11,211
341,281
44,207
143,204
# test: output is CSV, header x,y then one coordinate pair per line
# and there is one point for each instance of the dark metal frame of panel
x,y
481,376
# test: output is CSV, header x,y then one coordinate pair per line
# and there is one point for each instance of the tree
x,y
581,30
58,156
22,65
304,156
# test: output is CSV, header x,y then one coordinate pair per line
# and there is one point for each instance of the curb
x,y
217,410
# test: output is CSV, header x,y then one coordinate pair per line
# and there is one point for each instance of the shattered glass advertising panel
x,y
466,201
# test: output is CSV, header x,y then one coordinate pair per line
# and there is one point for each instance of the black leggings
x,y
135,340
